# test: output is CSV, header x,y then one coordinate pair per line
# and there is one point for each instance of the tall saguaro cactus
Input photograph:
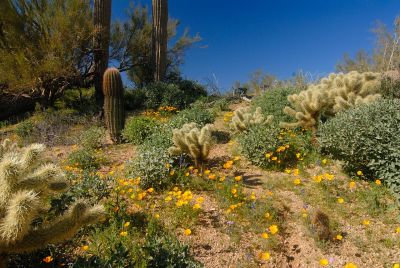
x,y
160,38
102,21
114,112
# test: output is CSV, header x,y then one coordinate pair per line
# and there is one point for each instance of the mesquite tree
x,y
160,38
102,21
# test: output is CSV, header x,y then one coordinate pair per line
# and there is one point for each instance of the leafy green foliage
x,y
193,115
367,138
138,129
46,48
157,248
25,129
179,94
273,101
93,137
269,147
390,88
134,99
84,158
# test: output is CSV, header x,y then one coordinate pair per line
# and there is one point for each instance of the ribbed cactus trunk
x,y
102,21
114,112
160,38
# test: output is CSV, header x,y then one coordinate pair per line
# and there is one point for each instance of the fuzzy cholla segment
x,y
192,141
243,119
25,187
331,95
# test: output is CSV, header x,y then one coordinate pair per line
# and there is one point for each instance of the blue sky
x,y
280,36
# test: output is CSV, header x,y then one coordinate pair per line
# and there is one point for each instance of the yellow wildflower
x,y
273,229
264,235
265,256
187,232
150,190
352,184
324,262
398,230
297,181
378,182
207,171
212,176
196,206
340,200
274,158
48,259
234,191
324,161
359,173
238,178
126,224
268,155
85,247
339,237
365,222
123,233
350,265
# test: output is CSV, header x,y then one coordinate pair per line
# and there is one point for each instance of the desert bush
x,y
390,88
25,129
180,94
50,127
134,99
150,166
93,137
84,158
194,115
367,138
156,248
269,147
81,100
138,128
273,101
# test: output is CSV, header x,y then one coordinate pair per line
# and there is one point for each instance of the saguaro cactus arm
x,y
160,38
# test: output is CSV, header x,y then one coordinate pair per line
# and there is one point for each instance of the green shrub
x,y
150,166
269,147
193,115
92,138
273,102
134,99
25,129
390,88
367,138
81,100
84,158
180,95
138,128
155,248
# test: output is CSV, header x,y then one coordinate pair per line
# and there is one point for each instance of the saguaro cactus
x,y
114,112
25,187
160,38
102,21
192,141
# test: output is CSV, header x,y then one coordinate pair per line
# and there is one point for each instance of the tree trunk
x,y
102,21
160,38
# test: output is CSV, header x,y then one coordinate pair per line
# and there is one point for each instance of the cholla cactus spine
x,y
114,112
243,119
192,141
25,187
332,94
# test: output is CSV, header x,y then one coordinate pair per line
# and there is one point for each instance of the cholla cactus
x,y
335,93
25,187
243,119
192,141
